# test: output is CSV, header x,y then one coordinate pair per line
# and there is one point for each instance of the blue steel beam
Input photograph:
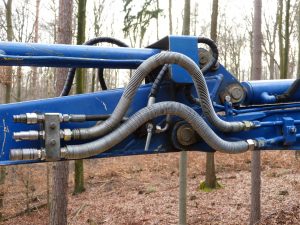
x,y
104,103
93,103
59,55
262,91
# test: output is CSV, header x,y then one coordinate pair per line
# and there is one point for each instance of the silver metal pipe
x,y
146,114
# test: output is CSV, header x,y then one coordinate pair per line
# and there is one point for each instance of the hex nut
x,y
251,144
67,134
248,125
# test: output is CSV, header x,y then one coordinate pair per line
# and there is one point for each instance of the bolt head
x,y
186,135
52,125
53,142
227,98
236,93
293,130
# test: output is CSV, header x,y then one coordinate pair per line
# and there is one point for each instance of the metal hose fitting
x,y
146,114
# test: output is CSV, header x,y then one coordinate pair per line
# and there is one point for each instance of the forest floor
x,y
143,190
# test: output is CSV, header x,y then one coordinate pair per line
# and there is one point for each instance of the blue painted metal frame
x,y
94,103
277,125
58,55
187,46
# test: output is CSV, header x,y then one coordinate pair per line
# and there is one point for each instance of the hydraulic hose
x,y
286,96
214,50
101,79
146,114
71,72
158,80
189,96
205,69
142,71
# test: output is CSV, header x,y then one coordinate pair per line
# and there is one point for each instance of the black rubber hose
x,y
100,117
158,80
286,96
215,53
71,72
189,96
101,79
205,69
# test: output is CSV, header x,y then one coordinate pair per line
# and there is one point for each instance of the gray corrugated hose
x,y
142,71
149,113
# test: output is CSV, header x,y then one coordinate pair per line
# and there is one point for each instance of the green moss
x,y
203,187
150,190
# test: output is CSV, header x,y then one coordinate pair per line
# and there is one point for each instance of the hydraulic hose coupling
x,y
31,135
248,125
34,118
251,144
27,154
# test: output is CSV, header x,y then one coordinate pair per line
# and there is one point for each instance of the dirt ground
x,y
143,190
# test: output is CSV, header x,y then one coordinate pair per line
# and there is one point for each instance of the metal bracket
x,y
52,136
289,130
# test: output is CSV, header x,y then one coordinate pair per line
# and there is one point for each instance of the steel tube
x,y
264,92
59,55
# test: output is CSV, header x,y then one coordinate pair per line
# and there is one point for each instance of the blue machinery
x,y
179,108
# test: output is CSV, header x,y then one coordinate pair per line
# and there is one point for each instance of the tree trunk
x,y
19,83
157,27
81,17
170,17
183,154
60,170
186,18
34,86
298,23
214,20
182,187
297,153
59,195
273,51
8,84
272,63
210,175
10,35
286,40
257,73
280,38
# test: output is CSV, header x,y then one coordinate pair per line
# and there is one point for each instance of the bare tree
x,y
298,25
59,198
81,18
210,175
183,154
8,84
136,24
297,153
286,39
214,20
10,35
195,18
157,21
170,17
186,18
269,44
36,38
98,11
284,18
257,73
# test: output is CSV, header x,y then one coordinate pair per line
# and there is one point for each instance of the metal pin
x,y
149,135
